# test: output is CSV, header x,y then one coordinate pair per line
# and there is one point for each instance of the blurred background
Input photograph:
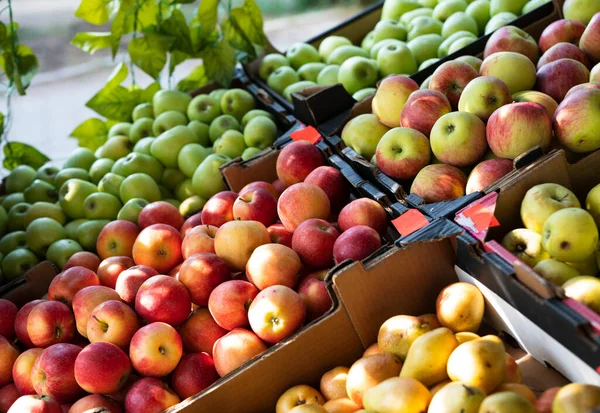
x,y
68,77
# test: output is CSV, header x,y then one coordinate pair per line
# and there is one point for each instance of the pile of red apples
x,y
168,307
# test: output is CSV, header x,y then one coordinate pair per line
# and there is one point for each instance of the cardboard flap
x,y
439,229
32,286
313,106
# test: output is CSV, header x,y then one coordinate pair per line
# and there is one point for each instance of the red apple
x,y
85,259
163,299
590,40
439,182
53,373
194,373
87,404
556,78
333,183
175,271
150,395
356,244
512,39
8,314
236,348
199,239
158,246
21,323
117,239
236,240
86,300
229,302
576,121
201,274
155,350
91,370
296,161
113,322
423,108
313,291
313,242
119,397
8,395
110,269
538,97
279,186
21,370
276,313
219,209
160,212
589,85
50,322
486,173
262,185
256,205
363,211
450,78
280,235
200,332
131,279
66,284
518,127
273,264
8,356
301,202
190,223
563,51
35,404
544,403
563,30
390,98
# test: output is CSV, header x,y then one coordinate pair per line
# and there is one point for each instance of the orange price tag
x,y
409,222
482,216
306,134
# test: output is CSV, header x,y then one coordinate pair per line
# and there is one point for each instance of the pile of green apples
x,y
172,151
411,35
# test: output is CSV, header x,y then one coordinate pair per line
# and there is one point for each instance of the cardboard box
x,y
31,286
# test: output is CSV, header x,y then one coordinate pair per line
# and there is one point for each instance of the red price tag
x,y
409,222
306,134
482,216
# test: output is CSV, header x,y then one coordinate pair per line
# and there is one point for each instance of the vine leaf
x,y
176,26
114,101
197,78
19,153
96,12
149,53
207,14
148,93
23,71
91,133
91,42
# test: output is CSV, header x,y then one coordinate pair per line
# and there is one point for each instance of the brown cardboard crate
x,y
31,286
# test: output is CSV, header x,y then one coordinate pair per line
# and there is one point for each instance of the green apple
x,y
250,153
184,190
260,133
499,20
141,128
428,62
19,179
297,87
111,184
358,73
447,8
45,210
167,121
363,93
271,62
424,25
328,76
139,186
131,210
510,6
204,108
380,45
47,173
191,205
368,41
119,129
17,263
460,21
71,228
458,138
543,200
443,49
143,146
407,18
115,148
81,158
473,61
302,53
3,222
587,266
172,177
460,44
200,131
12,199
570,234
12,241
221,124
531,5
479,10
207,180
42,232
580,10
72,194
101,205
87,233
165,193
592,203
429,3
526,245
389,29
217,94
230,144
394,9
343,53
425,84
425,47
363,133
143,110
16,216
555,271
281,78
586,290
100,168
70,173
483,95
394,59
60,251
330,43
514,69
166,147
166,100
174,202
40,191
254,114
136,163
310,71
237,102
190,157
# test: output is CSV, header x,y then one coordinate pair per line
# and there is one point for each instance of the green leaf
x,y
91,42
183,1
219,62
96,11
148,93
26,67
1,123
114,103
177,27
91,133
236,37
149,53
207,14
197,78
3,34
118,75
250,22
18,153
177,57
122,24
